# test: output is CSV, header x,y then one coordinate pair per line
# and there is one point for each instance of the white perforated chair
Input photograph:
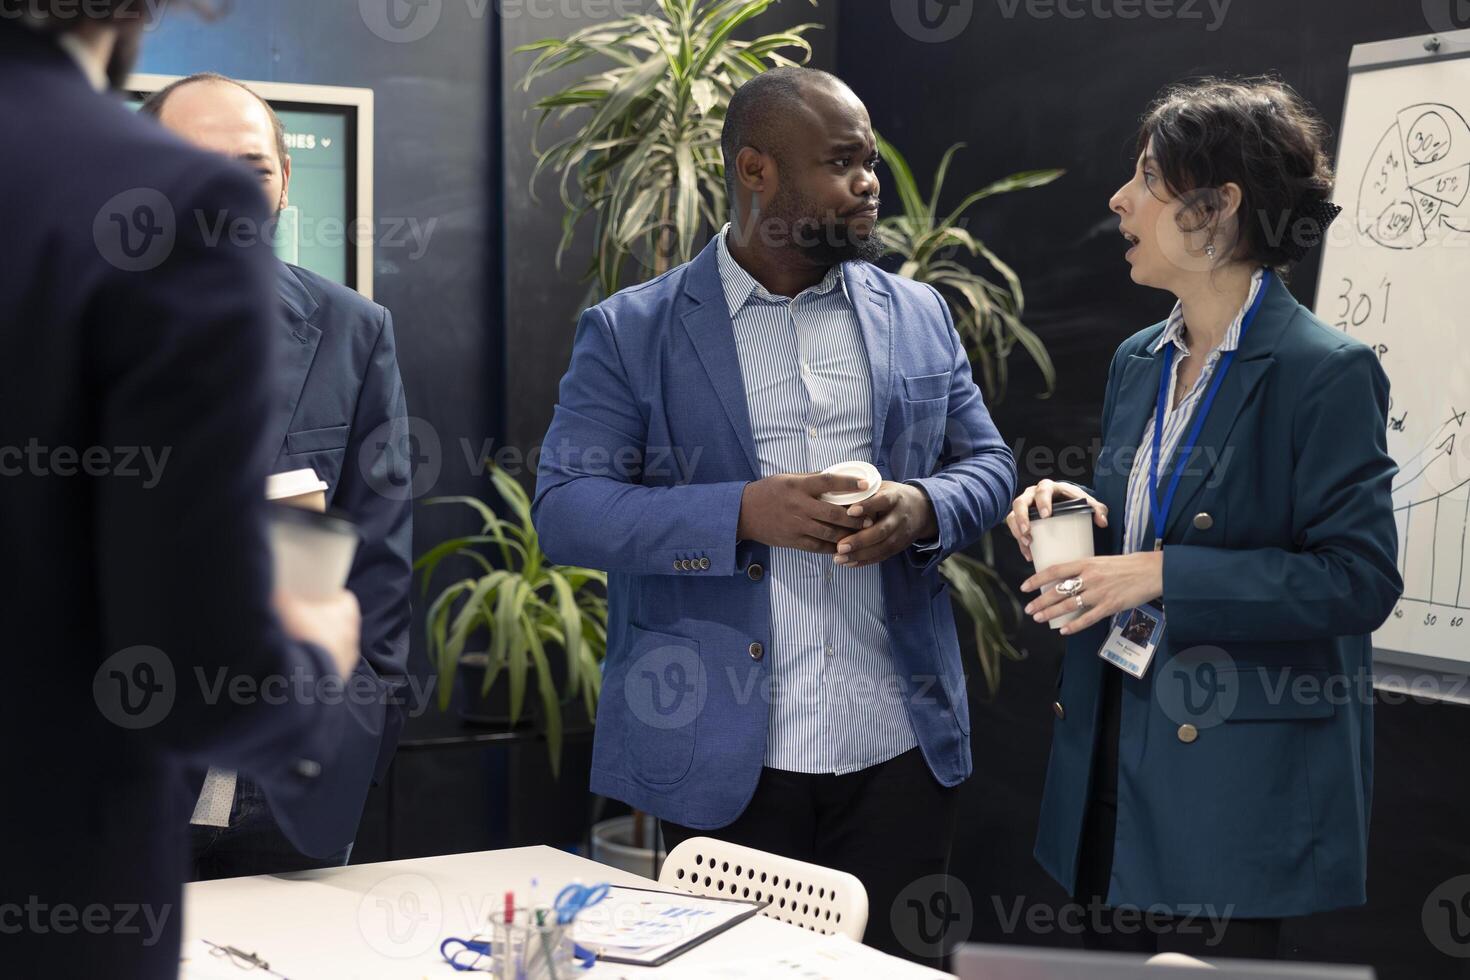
x,y
806,895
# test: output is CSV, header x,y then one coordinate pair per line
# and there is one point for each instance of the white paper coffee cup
x,y
311,553
1064,536
861,470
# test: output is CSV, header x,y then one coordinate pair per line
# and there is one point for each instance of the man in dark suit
x,y
339,401
140,636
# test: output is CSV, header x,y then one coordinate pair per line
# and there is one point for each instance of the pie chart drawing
x,y
1415,187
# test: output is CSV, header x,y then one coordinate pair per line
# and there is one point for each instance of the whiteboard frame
x,y
362,101
1420,675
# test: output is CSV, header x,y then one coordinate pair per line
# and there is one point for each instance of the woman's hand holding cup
x,y
1040,496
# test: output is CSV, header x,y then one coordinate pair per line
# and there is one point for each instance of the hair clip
x,y
1307,225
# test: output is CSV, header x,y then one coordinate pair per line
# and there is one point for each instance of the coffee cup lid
x,y
863,471
1059,508
279,486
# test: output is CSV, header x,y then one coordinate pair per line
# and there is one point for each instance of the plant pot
x,y
492,710
614,846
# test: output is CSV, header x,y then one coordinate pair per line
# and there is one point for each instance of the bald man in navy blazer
x,y
339,410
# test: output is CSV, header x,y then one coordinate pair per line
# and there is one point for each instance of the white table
x,y
386,920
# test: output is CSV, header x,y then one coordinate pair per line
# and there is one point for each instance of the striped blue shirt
x,y
836,704
1138,527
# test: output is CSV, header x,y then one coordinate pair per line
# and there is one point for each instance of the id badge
x,y
1135,637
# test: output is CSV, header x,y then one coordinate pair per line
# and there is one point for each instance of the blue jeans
x,y
252,844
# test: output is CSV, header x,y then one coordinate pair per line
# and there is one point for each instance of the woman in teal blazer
x,y
1229,786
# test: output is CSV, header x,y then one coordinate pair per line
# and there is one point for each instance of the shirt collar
x,y
740,285
96,74
1174,330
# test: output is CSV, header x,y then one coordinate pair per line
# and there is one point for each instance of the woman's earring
x,y
1210,249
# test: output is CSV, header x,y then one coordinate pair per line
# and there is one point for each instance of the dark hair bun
x,y
1258,134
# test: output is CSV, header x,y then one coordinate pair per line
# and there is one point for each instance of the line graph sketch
x,y
1433,522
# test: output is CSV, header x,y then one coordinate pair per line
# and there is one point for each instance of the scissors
x,y
573,899
468,954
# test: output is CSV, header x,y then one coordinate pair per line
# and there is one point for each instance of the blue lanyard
x,y
1159,507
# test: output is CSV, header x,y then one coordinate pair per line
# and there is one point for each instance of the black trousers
x,y
891,825
1128,930
252,844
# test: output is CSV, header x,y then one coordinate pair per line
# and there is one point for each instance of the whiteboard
x,y
1396,275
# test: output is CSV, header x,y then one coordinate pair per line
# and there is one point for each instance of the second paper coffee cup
x,y
1064,536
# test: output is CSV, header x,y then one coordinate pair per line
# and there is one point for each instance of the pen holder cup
x,y
530,952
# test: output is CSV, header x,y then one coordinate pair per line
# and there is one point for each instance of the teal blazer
x,y
1246,752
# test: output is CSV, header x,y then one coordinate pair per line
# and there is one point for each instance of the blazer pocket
x,y
317,440
926,387
1285,693
665,690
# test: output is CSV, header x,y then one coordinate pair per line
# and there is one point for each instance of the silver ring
x,y
1080,604
1070,587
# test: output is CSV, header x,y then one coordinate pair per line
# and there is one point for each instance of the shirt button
x,y
811,430
755,573
1188,733
757,651
1057,709
830,651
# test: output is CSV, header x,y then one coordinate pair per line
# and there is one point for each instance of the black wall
x,y
1027,92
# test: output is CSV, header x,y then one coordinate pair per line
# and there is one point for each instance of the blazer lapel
x,y
873,308
1252,363
1235,391
713,335
1133,403
295,350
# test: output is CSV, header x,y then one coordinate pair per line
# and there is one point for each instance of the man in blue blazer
x,y
339,403
132,509
782,672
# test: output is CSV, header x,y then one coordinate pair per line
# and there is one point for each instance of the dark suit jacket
x,y
1245,761
339,409
125,326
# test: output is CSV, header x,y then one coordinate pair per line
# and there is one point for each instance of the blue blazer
x,y
642,473
1246,751
338,400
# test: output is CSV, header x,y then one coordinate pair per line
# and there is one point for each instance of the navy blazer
x,y
131,588
647,457
1246,751
339,409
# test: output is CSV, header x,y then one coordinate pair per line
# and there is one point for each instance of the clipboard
x,y
654,956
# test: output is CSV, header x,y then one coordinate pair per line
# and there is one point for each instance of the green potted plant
x,y
645,164
987,315
541,621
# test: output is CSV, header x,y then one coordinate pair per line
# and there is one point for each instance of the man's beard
x,y
823,240
125,53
